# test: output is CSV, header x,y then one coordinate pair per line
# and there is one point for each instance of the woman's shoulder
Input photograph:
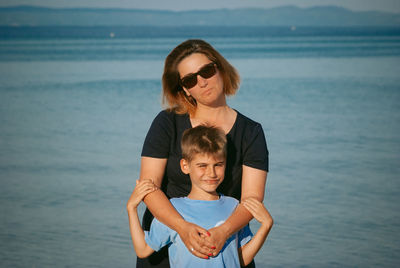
x,y
170,113
245,123
169,116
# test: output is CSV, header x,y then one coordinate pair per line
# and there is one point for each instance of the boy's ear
x,y
184,166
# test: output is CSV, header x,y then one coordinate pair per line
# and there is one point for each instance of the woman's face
x,y
207,91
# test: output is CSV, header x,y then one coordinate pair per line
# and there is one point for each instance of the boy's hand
x,y
257,209
142,188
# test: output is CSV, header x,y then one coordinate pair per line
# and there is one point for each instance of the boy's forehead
x,y
208,157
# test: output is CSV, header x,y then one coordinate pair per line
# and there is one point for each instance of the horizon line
x,y
192,10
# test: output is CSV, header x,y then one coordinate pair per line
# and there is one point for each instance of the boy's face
x,y
206,171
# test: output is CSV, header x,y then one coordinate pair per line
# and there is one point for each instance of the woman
x,y
196,81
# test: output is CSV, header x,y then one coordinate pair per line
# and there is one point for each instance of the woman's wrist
x,y
239,218
226,229
180,225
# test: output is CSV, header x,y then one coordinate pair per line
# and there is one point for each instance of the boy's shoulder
x,y
228,199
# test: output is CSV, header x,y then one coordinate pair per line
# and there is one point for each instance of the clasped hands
x,y
201,242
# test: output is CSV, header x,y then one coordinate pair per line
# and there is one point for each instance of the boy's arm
x,y
257,209
142,188
139,243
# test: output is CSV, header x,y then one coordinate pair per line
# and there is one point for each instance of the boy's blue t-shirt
x,y
207,214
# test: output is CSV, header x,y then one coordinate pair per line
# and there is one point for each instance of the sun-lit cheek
x,y
200,171
218,78
220,170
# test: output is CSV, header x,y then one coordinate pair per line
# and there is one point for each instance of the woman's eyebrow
x,y
197,70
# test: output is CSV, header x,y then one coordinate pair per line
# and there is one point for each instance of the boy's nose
x,y
211,172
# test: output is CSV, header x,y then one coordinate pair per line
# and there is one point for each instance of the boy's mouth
x,y
211,181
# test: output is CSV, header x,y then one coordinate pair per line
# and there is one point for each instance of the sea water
x,y
74,113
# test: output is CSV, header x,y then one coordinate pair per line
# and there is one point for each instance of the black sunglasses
x,y
207,71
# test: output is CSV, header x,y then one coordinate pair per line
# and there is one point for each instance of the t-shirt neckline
x,y
229,132
206,201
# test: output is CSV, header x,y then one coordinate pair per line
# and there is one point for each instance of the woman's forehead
x,y
192,63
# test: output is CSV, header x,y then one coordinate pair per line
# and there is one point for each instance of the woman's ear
x,y
185,166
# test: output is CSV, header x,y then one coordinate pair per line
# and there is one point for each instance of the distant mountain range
x,y
281,16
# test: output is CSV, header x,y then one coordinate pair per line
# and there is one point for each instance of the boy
x,y
203,158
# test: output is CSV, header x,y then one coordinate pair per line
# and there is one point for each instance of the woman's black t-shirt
x,y
246,146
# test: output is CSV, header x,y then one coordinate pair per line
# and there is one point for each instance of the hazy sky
x,y
360,5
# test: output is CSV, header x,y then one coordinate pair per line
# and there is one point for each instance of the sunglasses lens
x,y
207,71
189,81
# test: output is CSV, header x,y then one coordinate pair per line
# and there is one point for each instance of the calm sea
x,y
75,105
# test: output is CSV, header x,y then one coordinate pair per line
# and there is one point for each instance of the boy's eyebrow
x,y
203,163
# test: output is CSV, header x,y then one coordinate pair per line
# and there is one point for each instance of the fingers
x,y
145,182
199,243
198,250
193,237
257,209
205,242
208,243
203,232
142,189
252,204
145,187
198,254
218,238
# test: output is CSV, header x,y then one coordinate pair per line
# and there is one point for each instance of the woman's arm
x,y
162,209
253,185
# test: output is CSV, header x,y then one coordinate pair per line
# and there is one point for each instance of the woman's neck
x,y
211,114
220,116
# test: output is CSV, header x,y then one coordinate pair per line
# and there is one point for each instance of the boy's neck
x,y
202,195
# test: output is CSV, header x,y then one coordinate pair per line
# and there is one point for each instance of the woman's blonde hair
x,y
173,93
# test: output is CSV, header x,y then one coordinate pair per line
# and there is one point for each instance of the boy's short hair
x,y
203,139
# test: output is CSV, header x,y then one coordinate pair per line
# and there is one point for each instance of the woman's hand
x,y
217,238
193,236
142,188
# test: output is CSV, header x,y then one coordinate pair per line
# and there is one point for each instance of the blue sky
x,y
358,5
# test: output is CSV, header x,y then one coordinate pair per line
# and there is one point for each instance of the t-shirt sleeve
x,y
159,235
158,138
244,236
255,150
